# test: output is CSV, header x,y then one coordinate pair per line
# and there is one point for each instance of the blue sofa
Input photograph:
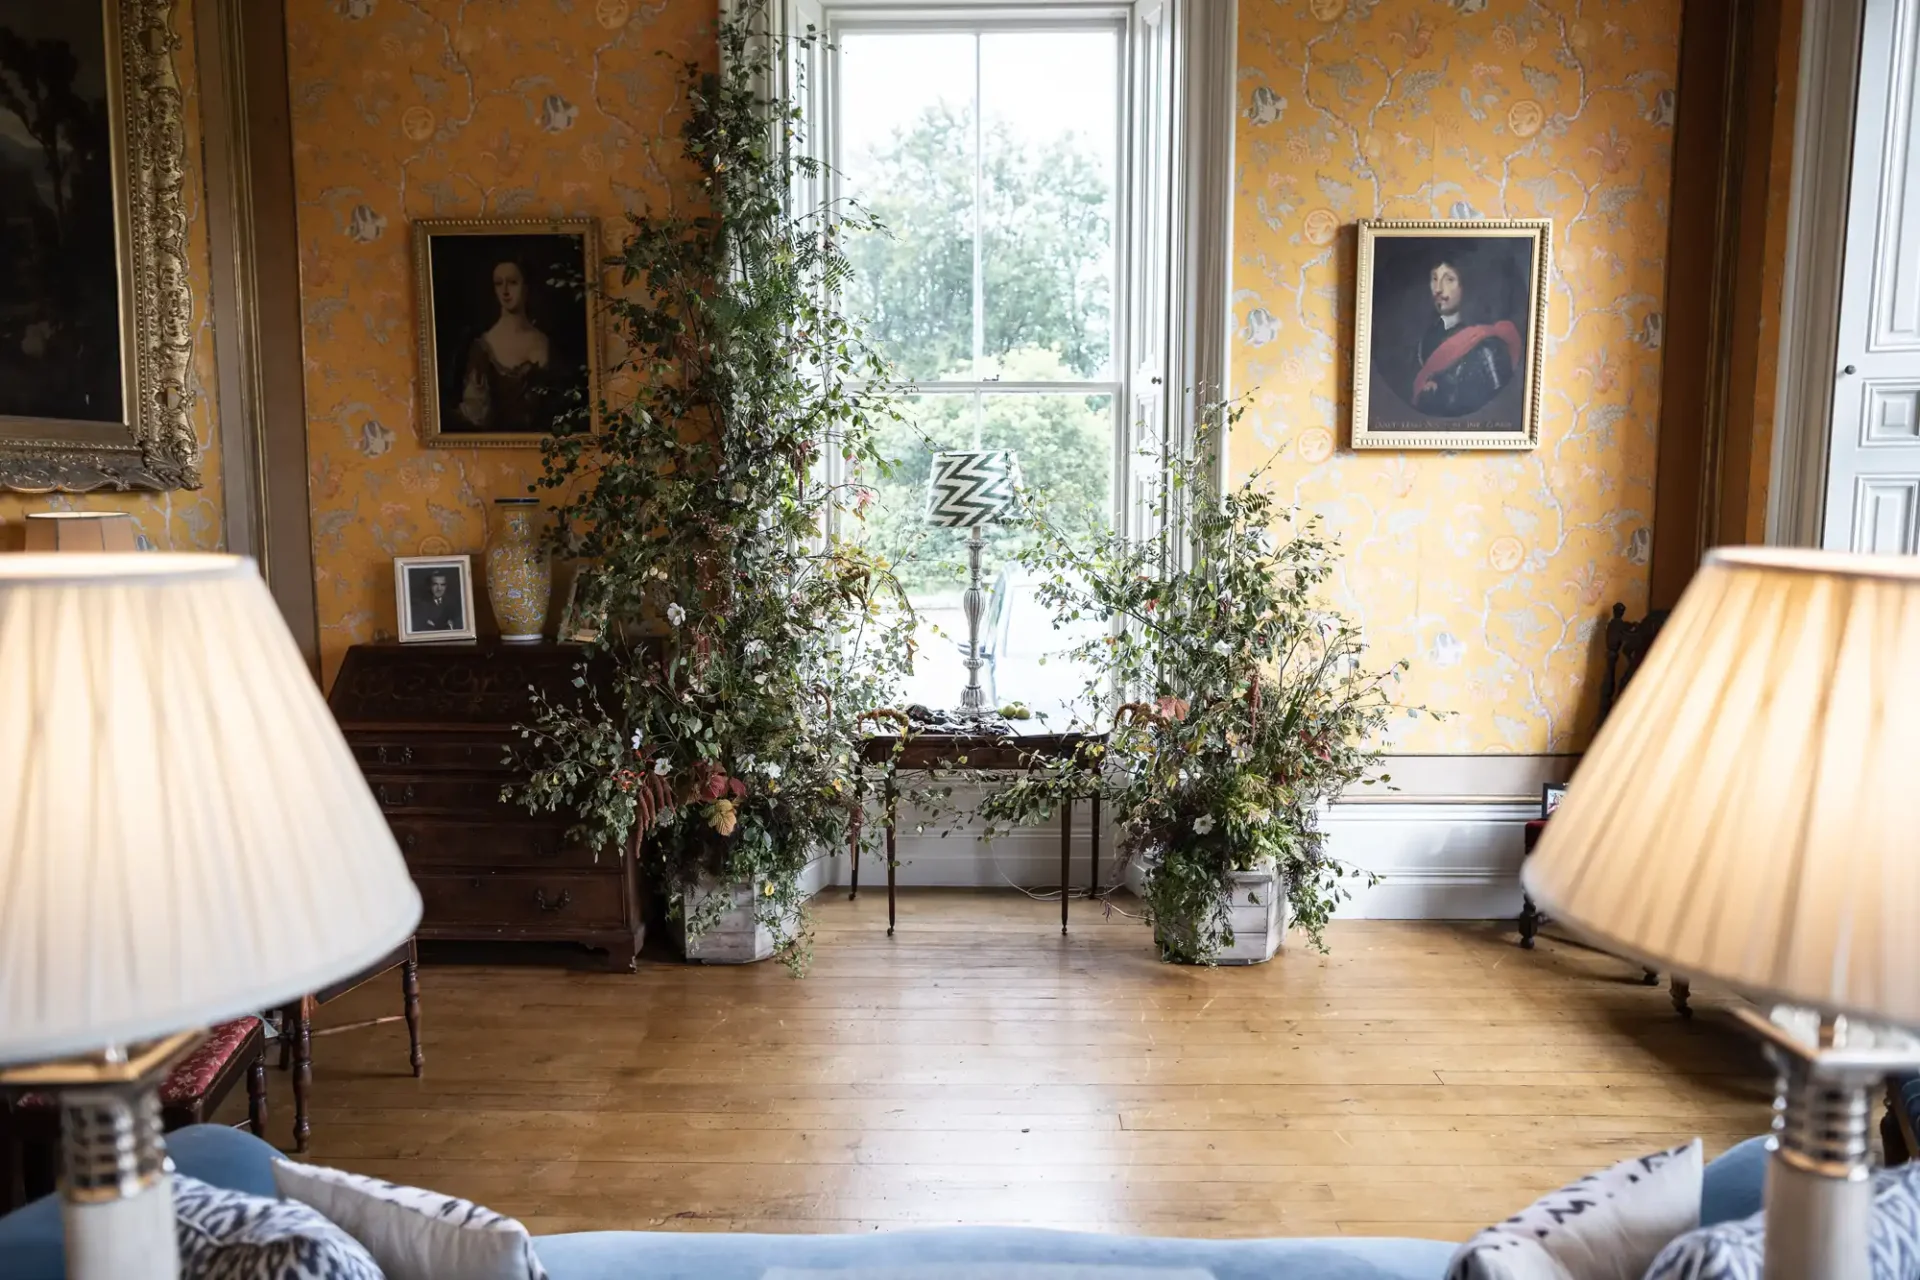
x,y
31,1247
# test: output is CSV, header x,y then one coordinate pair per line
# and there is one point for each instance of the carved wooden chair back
x,y
1627,646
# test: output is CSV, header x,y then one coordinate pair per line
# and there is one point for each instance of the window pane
x,y
907,153
1065,447
1050,128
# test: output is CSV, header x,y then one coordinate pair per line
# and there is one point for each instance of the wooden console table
x,y
989,753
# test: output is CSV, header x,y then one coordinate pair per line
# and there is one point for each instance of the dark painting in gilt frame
x,y
507,348
1449,330
95,310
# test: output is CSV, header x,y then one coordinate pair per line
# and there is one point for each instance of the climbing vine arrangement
x,y
744,629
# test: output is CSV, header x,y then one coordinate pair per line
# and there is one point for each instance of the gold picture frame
x,y
465,390
147,441
1449,333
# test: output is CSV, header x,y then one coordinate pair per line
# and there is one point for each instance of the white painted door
x,y
1873,477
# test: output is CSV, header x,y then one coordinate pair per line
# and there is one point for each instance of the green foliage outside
x,y
1047,268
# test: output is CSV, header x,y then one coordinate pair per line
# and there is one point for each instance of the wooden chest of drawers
x,y
431,726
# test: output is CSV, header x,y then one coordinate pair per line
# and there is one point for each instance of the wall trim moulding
x,y
1447,846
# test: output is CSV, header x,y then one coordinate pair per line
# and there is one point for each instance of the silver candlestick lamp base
x,y
973,699
116,1201
1819,1176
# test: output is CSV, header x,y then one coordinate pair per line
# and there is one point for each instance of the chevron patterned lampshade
x,y
969,489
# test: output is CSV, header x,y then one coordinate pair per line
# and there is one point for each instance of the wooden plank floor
x,y
1424,1079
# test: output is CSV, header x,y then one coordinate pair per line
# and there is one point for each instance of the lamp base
x,y
973,603
1819,1177
1817,1225
116,1201
126,1239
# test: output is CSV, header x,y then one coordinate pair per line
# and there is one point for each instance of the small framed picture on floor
x,y
433,597
1449,333
1551,794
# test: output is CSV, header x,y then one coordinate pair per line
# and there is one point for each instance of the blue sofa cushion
x,y
31,1248
980,1253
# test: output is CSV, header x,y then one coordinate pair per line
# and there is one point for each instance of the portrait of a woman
x,y
507,332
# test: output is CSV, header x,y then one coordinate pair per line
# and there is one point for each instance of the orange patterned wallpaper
x,y
446,108
1490,571
187,520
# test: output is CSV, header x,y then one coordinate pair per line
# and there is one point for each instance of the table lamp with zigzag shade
x,y
970,490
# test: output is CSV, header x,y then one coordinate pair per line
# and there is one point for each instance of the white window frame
x,y
843,19
1183,277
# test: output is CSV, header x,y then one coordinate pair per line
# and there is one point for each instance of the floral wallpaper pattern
x,y
406,109
188,519
1491,572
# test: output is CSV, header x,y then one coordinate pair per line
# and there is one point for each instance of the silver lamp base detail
x,y
973,698
1820,1174
116,1200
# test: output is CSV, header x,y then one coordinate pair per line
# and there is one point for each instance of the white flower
x,y
675,614
738,492
663,766
1203,824
772,770
754,647
1223,648
638,738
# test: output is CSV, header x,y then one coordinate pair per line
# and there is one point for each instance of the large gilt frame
x,y
1531,368
428,391
154,447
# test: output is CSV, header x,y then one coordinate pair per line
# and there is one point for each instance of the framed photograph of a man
x,y
433,597
1449,326
507,352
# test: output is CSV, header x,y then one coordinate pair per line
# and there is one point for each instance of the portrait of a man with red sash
x,y
1462,365
1447,334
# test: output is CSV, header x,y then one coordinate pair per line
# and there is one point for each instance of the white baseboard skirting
x,y
1438,858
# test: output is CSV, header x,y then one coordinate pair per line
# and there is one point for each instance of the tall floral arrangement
x,y
1238,701
743,633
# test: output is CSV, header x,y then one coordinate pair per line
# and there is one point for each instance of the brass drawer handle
x,y
405,757
387,798
540,900
410,841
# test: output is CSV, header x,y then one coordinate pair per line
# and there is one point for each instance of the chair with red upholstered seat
x,y
193,1091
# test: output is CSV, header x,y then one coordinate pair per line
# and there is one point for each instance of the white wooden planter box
x,y
738,938
1258,914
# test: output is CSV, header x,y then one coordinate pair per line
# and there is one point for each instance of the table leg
x,y
410,1005
302,1016
892,861
1066,859
853,851
1093,883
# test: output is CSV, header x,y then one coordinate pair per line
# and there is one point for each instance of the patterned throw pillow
x,y
1606,1226
1737,1250
229,1235
415,1234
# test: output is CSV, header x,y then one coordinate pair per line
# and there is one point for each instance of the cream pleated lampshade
x,y
1751,810
184,836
